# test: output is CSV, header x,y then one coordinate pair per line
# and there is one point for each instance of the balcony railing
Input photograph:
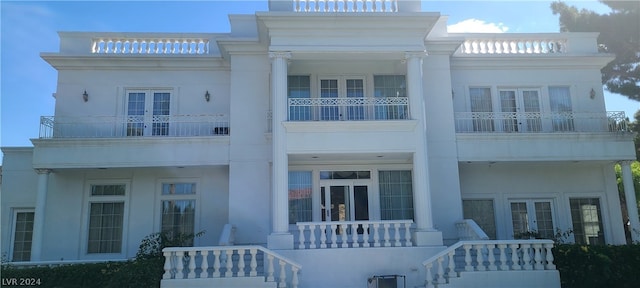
x,y
538,122
348,109
354,234
134,126
345,5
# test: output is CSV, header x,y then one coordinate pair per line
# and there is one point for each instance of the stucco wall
x,y
558,181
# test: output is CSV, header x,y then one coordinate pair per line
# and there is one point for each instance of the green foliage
x,y
144,271
152,245
619,34
136,273
597,266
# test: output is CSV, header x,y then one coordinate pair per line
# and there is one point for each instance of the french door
x,y
148,113
532,218
344,200
521,110
334,90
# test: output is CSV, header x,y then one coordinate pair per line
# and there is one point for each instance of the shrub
x,y
598,266
144,271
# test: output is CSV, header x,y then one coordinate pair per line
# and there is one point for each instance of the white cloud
x,y
477,26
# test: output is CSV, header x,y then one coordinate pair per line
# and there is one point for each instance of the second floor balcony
x,y
540,122
133,126
132,141
348,109
537,136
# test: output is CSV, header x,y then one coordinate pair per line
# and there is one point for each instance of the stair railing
x,y
489,255
229,262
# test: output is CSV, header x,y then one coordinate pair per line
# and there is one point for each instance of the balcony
x,y
537,136
538,122
132,141
348,109
133,126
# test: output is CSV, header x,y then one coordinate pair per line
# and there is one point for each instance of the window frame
x,y
177,197
89,199
14,219
602,215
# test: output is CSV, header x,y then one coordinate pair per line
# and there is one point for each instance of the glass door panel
x,y
355,89
329,90
531,105
532,218
340,210
509,109
160,124
135,114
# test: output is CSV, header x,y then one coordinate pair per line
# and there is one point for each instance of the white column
x,y
38,219
280,237
425,233
632,202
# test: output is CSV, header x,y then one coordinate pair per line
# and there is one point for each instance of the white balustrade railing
x,y
348,109
345,5
485,255
229,262
354,234
470,230
508,44
539,122
150,45
133,126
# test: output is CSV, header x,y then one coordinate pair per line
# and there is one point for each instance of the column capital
x,y
280,54
43,170
415,54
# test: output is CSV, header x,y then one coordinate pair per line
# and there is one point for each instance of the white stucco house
x,y
320,146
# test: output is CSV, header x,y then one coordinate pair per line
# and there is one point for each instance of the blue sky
x,y
28,28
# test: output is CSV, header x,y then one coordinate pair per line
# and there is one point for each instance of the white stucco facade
x,y
289,119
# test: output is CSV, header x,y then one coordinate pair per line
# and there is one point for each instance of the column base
x,y
280,241
427,238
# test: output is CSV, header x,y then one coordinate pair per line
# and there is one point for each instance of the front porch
x,y
470,263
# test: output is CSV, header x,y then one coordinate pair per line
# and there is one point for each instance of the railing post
x,y
283,275
192,264
312,236
254,262
167,265
216,264
550,265
205,264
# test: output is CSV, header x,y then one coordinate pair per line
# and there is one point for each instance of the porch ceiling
x,y
351,158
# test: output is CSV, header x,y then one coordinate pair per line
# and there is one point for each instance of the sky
x,y
28,28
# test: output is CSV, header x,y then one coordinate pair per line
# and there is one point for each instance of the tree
x,y
619,34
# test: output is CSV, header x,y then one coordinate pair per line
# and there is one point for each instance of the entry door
x,y
344,201
521,110
332,89
148,113
535,216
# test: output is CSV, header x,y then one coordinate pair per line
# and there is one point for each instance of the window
x,y
390,86
300,201
178,208
586,219
560,102
299,87
106,211
22,235
482,212
481,108
396,195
